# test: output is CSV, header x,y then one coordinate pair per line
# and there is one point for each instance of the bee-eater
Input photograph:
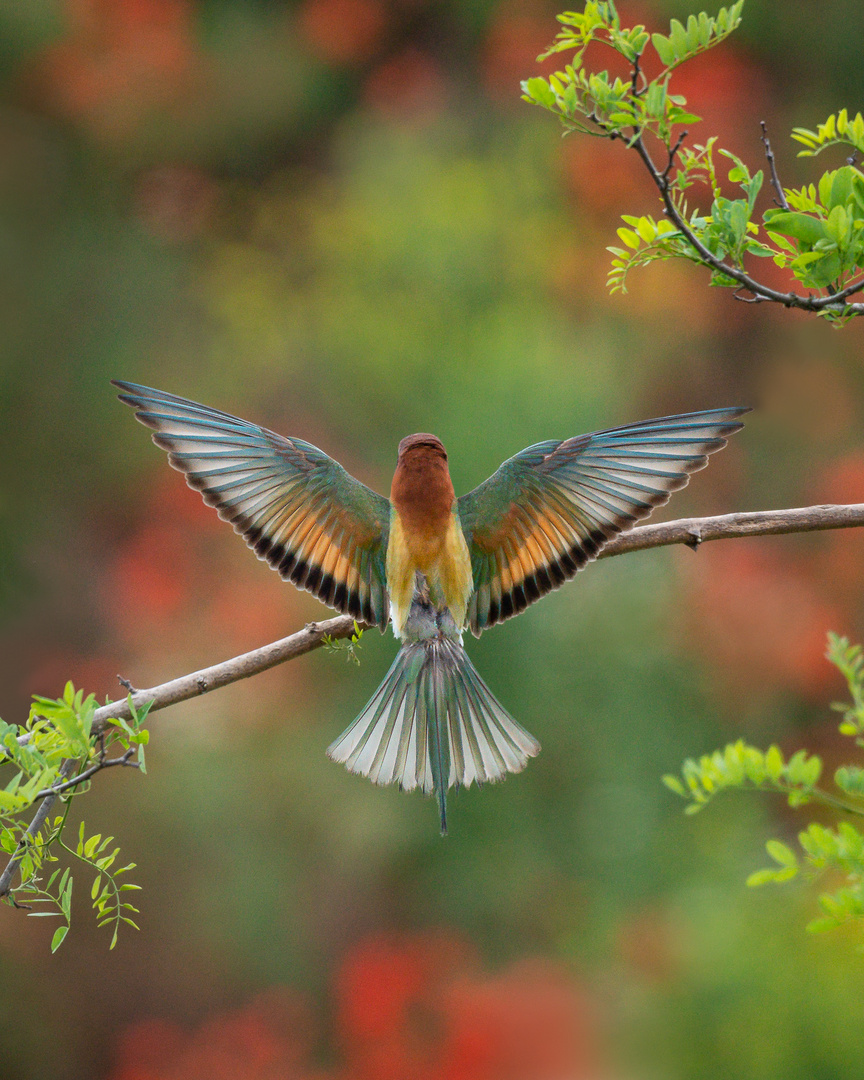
x,y
429,563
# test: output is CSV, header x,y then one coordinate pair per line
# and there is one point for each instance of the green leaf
x,y
665,48
820,925
803,227
629,237
850,778
774,763
781,853
91,845
59,936
761,877
540,92
674,784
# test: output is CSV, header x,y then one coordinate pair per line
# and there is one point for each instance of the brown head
x,y
422,440
422,491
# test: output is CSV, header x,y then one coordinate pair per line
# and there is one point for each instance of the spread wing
x,y
550,509
296,507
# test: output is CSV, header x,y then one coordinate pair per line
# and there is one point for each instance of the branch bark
x,y
694,531
689,531
312,636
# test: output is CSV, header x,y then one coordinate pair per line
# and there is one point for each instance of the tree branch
x,y
311,637
695,531
98,766
689,531
790,299
772,165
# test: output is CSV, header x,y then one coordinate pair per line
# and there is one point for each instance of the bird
x,y
428,563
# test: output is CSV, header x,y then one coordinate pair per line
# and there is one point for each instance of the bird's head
x,y
421,445
421,484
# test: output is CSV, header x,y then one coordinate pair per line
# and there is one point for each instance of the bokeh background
x,y
336,217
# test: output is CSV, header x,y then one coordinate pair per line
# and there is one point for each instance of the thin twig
x,y
772,165
748,299
635,89
105,763
672,153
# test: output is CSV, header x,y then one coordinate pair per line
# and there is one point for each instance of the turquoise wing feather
x,y
550,509
297,508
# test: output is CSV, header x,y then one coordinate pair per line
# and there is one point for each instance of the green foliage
x,y
823,230
838,130
347,646
818,235
612,106
825,850
727,231
741,766
55,757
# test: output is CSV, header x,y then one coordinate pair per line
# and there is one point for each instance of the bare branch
x,y
748,299
635,89
772,165
690,531
695,531
102,763
672,152
311,637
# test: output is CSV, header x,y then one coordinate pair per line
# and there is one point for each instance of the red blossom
x,y
409,84
761,619
119,60
343,31
408,1007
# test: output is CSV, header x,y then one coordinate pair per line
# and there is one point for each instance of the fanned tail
x,y
433,723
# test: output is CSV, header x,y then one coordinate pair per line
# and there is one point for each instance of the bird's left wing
x,y
550,509
296,507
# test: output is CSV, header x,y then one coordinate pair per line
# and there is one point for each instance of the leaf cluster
x,y
727,231
595,103
346,646
834,851
55,756
817,232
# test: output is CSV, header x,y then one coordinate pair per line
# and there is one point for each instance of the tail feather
x,y
434,724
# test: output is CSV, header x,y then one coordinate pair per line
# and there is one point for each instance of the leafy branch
x,y
817,232
66,742
58,755
824,849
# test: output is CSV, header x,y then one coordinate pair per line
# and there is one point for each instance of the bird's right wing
x,y
550,509
297,508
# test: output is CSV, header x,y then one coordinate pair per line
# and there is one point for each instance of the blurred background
x,y
337,218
